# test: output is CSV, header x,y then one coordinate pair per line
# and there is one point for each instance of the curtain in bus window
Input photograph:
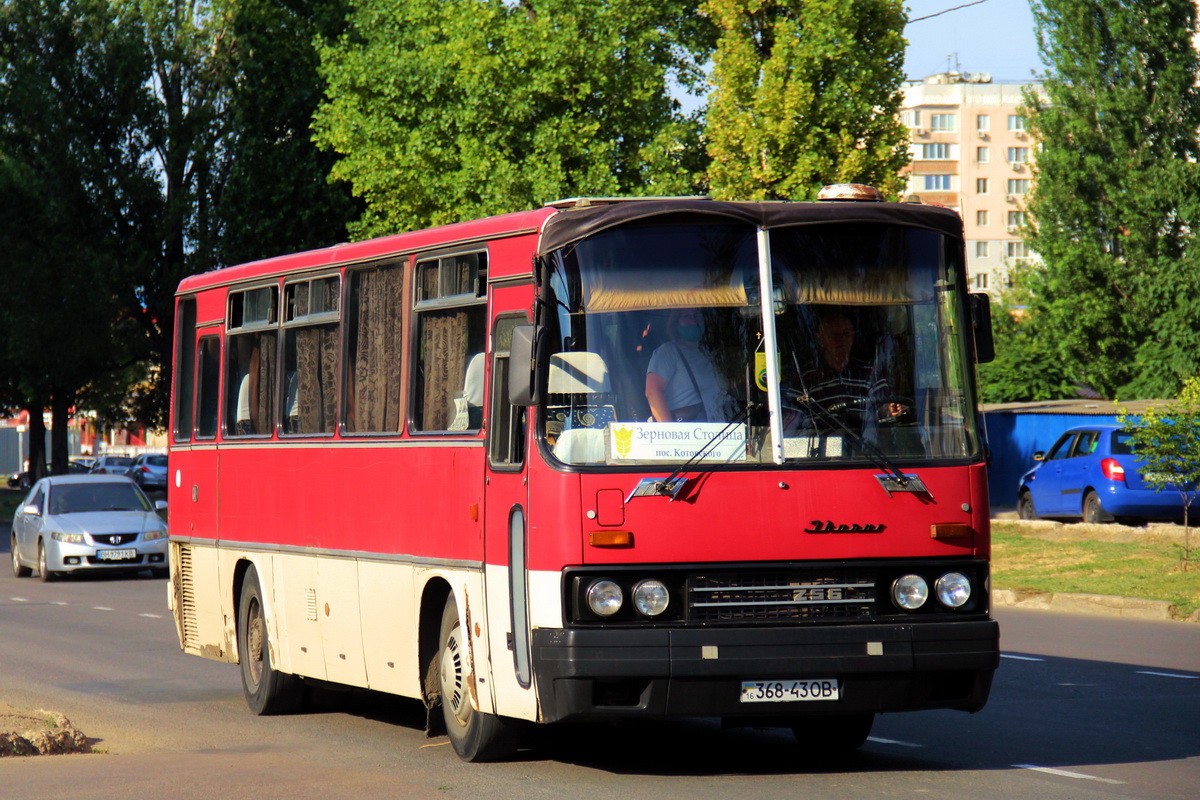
x,y
373,398
310,405
443,366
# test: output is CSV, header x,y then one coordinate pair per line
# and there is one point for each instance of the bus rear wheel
x,y
267,690
476,736
831,735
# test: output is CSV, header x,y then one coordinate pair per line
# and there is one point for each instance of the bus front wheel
x,y
267,690
476,736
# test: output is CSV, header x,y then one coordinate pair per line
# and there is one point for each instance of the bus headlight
x,y
910,592
605,598
650,598
953,589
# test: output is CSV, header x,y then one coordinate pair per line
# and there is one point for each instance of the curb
x,y
1097,604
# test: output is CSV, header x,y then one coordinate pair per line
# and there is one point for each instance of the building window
x,y
1018,185
943,122
981,155
981,218
1016,122
937,151
1018,155
911,117
981,186
981,249
937,183
983,122
981,280
1016,219
1016,250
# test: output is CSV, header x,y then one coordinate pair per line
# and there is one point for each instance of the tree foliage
x,y
443,110
1166,441
806,93
1026,367
1116,192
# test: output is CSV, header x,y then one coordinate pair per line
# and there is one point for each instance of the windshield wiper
x,y
673,484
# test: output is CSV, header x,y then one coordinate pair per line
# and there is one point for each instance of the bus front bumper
x,y
673,672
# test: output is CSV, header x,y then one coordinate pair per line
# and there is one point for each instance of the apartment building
x,y
970,152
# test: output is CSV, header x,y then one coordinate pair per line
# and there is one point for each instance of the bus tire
x,y
476,736
831,735
267,690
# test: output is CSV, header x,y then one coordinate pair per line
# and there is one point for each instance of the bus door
x,y
505,521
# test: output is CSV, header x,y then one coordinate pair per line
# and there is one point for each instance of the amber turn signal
x,y
950,531
610,538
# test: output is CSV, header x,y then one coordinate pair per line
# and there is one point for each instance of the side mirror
x,y
31,510
981,324
160,505
522,367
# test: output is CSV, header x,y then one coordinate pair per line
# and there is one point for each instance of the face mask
x,y
690,332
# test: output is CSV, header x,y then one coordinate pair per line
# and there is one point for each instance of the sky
x,y
995,36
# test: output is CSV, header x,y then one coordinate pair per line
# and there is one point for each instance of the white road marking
x,y
1169,675
101,608
1020,658
1066,774
19,599
878,740
151,616
59,603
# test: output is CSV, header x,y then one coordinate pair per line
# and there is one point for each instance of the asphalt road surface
x,y
1083,707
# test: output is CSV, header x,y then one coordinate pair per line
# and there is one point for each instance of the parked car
x,y
112,465
149,471
1092,473
76,523
23,480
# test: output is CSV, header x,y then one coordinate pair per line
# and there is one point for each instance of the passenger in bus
x,y
846,388
681,382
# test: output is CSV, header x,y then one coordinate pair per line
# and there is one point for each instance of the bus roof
x,y
560,226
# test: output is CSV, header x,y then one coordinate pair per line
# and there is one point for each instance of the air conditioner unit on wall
x,y
1013,228
1011,198
982,135
1017,167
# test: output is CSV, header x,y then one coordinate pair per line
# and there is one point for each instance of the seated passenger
x,y
681,381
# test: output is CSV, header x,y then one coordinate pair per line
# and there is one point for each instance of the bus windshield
x,y
659,349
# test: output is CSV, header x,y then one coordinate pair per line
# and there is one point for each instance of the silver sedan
x,y
71,523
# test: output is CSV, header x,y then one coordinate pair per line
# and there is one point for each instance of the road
x,y
1083,707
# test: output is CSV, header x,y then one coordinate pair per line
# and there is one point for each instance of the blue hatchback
x,y
1091,473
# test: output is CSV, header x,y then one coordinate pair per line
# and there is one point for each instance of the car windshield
x,y
658,348
77,498
156,461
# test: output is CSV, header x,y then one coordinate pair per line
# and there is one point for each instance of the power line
x,y
965,5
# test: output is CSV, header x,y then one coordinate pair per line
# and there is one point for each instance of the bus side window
x,y
451,328
208,390
506,433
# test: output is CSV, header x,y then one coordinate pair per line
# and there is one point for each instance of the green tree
x,y
444,110
1026,368
805,93
1114,201
1166,440
73,176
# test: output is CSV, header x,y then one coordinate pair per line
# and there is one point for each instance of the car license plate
x,y
116,555
787,691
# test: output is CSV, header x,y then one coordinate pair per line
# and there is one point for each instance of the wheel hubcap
x,y
453,691
254,641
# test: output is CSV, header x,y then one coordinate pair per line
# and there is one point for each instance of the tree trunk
x,y
60,452
37,442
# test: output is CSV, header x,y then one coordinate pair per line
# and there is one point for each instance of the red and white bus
x,y
428,465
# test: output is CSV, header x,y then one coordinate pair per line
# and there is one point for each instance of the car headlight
x,y
150,535
953,589
605,598
69,538
910,592
650,598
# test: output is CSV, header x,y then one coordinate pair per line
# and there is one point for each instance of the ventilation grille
x,y
189,626
774,595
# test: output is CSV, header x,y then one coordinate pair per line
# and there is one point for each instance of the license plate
x,y
116,555
788,691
